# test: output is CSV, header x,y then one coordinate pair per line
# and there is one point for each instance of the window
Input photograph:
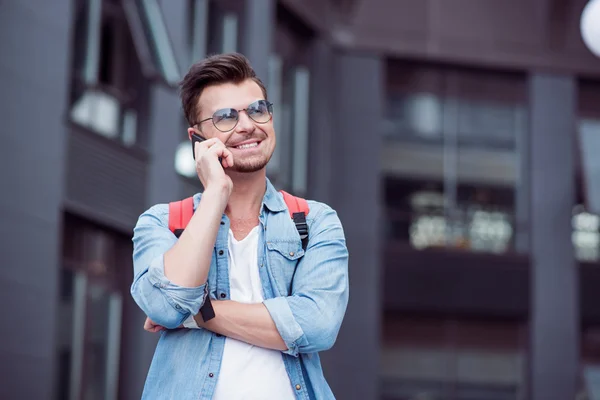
x,y
108,87
156,32
418,213
223,27
453,359
428,103
451,156
288,84
94,279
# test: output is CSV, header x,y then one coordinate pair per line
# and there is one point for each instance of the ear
x,y
190,130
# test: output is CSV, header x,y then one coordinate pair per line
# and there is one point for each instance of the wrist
x,y
217,193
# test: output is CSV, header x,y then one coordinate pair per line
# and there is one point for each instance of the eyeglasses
x,y
226,119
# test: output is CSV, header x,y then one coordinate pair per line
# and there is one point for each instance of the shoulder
x,y
320,213
159,213
156,215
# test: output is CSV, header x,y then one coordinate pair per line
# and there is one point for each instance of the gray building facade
x,y
382,105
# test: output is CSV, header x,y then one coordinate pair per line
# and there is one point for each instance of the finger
x,y
227,158
224,153
201,146
150,325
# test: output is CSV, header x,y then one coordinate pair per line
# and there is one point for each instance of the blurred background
x,y
455,138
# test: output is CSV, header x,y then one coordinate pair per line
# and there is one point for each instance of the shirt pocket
x,y
283,257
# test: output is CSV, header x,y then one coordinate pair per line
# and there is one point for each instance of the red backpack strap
x,y
180,213
298,209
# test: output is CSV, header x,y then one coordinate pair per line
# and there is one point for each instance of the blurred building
x,y
456,139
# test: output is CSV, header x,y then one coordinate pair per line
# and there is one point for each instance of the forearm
x,y
188,261
250,323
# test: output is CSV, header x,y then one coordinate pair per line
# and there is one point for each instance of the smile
x,y
246,146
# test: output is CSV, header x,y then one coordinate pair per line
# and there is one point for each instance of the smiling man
x,y
277,301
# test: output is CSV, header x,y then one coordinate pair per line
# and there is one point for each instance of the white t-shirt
x,y
249,372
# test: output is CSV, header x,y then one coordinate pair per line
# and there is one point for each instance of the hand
x,y
152,326
210,171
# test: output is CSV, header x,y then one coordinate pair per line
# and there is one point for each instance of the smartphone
x,y
199,139
196,138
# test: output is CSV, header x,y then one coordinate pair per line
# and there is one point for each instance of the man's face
x,y
252,143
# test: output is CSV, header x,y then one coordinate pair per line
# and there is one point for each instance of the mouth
x,y
249,144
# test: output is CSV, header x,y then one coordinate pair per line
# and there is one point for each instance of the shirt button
x,y
223,295
291,254
298,387
221,252
211,374
222,223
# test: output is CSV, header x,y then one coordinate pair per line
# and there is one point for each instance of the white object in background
x,y
184,161
590,26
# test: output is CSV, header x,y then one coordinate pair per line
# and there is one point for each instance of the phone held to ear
x,y
200,139
196,138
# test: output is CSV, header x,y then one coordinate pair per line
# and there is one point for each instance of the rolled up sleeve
x,y
162,301
309,320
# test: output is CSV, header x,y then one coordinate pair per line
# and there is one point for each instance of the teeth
x,y
247,146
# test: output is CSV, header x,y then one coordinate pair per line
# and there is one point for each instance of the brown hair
x,y
213,70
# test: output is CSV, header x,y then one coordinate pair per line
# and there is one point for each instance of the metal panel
x,y
105,181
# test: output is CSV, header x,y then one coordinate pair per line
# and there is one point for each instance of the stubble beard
x,y
253,165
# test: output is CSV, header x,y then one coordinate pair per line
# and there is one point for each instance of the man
x,y
276,305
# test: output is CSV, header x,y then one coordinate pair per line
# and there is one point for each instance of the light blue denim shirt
x,y
306,293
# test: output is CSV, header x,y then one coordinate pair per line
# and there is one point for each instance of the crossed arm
x,y
309,319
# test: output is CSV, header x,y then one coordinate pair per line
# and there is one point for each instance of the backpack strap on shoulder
x,y
180,214
298,209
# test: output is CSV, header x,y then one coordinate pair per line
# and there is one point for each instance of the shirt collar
x,y
272,199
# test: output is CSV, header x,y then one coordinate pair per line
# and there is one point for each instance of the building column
x,y
345,171
321,110
554,323
35,41
258,27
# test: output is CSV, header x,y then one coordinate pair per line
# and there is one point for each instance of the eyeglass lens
x,y
227,118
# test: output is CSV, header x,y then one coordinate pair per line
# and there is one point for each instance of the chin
x,y
247,167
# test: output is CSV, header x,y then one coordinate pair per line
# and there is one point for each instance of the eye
x,y
258,108
225,115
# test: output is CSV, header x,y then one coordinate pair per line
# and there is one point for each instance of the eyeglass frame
x,y
211,118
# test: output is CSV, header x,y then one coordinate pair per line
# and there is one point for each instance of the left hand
x,y
152,326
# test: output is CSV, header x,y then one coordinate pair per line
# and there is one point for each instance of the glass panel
x,y
589,147
199,29
452,359
274,87
96,342
65,333
92,54
586,234
98,111
129,128
414,116
300,146
160,40
114,346
230,33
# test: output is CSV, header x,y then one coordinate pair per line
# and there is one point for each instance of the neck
x,y
247,194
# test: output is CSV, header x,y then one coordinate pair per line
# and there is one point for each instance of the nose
x,y
245,123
